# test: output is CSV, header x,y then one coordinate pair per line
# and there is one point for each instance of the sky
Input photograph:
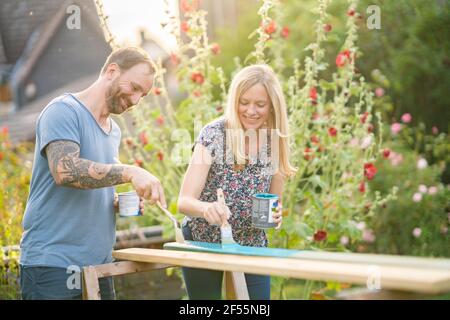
x,y
125,17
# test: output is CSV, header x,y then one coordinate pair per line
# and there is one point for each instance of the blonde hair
x,y
278,120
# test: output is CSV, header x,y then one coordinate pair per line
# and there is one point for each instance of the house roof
x,y
22,124
38,41
20,18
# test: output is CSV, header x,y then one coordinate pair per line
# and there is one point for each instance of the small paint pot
x,y
264,205
129,204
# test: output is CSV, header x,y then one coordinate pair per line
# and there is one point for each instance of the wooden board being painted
x,y
375,259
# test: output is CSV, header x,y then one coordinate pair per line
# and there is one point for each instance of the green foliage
x,y
15,171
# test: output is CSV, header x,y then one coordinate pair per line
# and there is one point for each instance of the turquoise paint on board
x,y
234,249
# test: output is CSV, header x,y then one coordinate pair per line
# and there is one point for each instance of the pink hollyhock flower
x,y
4,130
327,27
395,128
361,225
417,197
423,188
366,142
285,32
406,118
432,190
344,240
363,117
342,58
332,132
396,158
435,131
422,164
184,26
271,27
197,77
362,187
368,236
313,93
386,153
215,48
369,170
417,232
379,92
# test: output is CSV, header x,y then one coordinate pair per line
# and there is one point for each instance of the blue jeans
x,y
50,283
202,284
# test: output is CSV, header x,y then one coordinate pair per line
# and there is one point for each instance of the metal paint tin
x,y
264,205
129,204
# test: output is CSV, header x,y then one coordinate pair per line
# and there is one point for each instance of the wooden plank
x,y
235,286
374,259
391,277
126,267
91,288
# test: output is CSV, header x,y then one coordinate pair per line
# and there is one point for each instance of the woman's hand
x,y
216,213
278,216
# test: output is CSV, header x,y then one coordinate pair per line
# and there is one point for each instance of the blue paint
x,y
266,196
230,249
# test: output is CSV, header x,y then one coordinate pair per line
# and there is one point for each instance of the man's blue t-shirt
x,y
66,226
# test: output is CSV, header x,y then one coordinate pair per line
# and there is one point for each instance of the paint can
x,y
263,207
129,204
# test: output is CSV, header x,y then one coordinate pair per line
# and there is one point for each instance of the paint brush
x,y
225,229
178,233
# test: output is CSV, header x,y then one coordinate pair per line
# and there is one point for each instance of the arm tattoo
x,y
70,170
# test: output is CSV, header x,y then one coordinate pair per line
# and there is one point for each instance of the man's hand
x,y
146,185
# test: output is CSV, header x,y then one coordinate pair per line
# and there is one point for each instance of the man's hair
x,y
128,57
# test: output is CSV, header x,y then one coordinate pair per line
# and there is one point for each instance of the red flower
x,y
369,127
307,154
215,48
271,27
160,120
285,32
386,153
362,187
369,170
143,138
313,93
351,12
174,58
332,132
197,93
1,156
342,58
184,26
160,155
314,139
139,163
197,77
4,130
320,235
363,117
188,6
157,91
327,27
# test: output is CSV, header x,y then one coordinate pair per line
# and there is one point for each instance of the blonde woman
x,y
243,153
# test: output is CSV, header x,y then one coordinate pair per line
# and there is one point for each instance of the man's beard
x,y
114,99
